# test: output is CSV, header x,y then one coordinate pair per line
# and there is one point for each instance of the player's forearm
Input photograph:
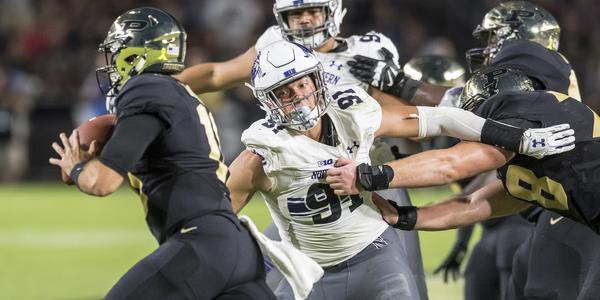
x,y
439,167
452,213
431,168
200,78
98,180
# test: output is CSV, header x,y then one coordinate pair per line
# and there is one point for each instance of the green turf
x,y
56,243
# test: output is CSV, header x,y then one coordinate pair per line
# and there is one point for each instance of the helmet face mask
x,y
141,40
279,65
509,21
310,37
490,81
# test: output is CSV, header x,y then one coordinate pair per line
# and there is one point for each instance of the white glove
x,y
451,97
540,142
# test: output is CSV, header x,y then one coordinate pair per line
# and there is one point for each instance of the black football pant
x,y
490,264
561,260
218,259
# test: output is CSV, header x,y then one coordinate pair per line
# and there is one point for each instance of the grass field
x,y
56,243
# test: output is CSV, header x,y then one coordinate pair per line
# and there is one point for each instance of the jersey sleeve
x,y
150,94
515,108
271,35
259,139
356,107
370,43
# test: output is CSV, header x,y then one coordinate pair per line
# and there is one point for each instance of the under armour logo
x,y
333,64
535,143
350,149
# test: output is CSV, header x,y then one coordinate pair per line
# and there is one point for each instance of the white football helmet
x,y
314,37
282,63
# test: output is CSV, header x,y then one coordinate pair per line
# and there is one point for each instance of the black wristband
x,y
501,135
76,171
374,178
407,216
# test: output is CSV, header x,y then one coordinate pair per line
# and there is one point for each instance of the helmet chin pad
x,y
303,118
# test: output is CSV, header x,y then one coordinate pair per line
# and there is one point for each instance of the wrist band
x,y
501,135
374,178
77,169
407,216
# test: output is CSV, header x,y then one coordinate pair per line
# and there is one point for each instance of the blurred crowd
x,y
48,54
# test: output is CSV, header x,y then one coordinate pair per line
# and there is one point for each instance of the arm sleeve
x,y
129,141
449,121
458,123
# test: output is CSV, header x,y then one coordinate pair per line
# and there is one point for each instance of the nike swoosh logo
x,y
186,230
554,221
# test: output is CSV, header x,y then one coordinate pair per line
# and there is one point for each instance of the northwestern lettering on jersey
x,y
319,174
331,78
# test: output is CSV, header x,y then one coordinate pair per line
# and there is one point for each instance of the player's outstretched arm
x,y
214,76
246,176
409,121
488,202
429,168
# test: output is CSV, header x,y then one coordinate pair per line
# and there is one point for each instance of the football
x,y
97,128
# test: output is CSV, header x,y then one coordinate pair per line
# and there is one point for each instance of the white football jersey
x,y
328,228
337,72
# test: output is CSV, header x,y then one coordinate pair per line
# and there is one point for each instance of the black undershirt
x,y
328,132
129,141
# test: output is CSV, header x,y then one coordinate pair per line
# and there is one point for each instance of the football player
x,y
316,25
308,125
166,146
525,36
563,183
513,32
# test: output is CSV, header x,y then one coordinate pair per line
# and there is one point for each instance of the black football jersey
x,y
547,66
567,183
181,174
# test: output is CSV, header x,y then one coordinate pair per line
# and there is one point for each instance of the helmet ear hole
x,y
130,59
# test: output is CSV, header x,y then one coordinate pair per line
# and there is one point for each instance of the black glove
x,y
384,74
452,263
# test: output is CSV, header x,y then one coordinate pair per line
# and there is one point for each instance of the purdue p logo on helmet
x,y
513,20
489,82
141,40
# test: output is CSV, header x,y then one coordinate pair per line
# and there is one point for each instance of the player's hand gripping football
x,y
383,74
70,152
540,142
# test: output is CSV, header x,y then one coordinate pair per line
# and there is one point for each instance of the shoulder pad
x,y
271,35
149,94
370,43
